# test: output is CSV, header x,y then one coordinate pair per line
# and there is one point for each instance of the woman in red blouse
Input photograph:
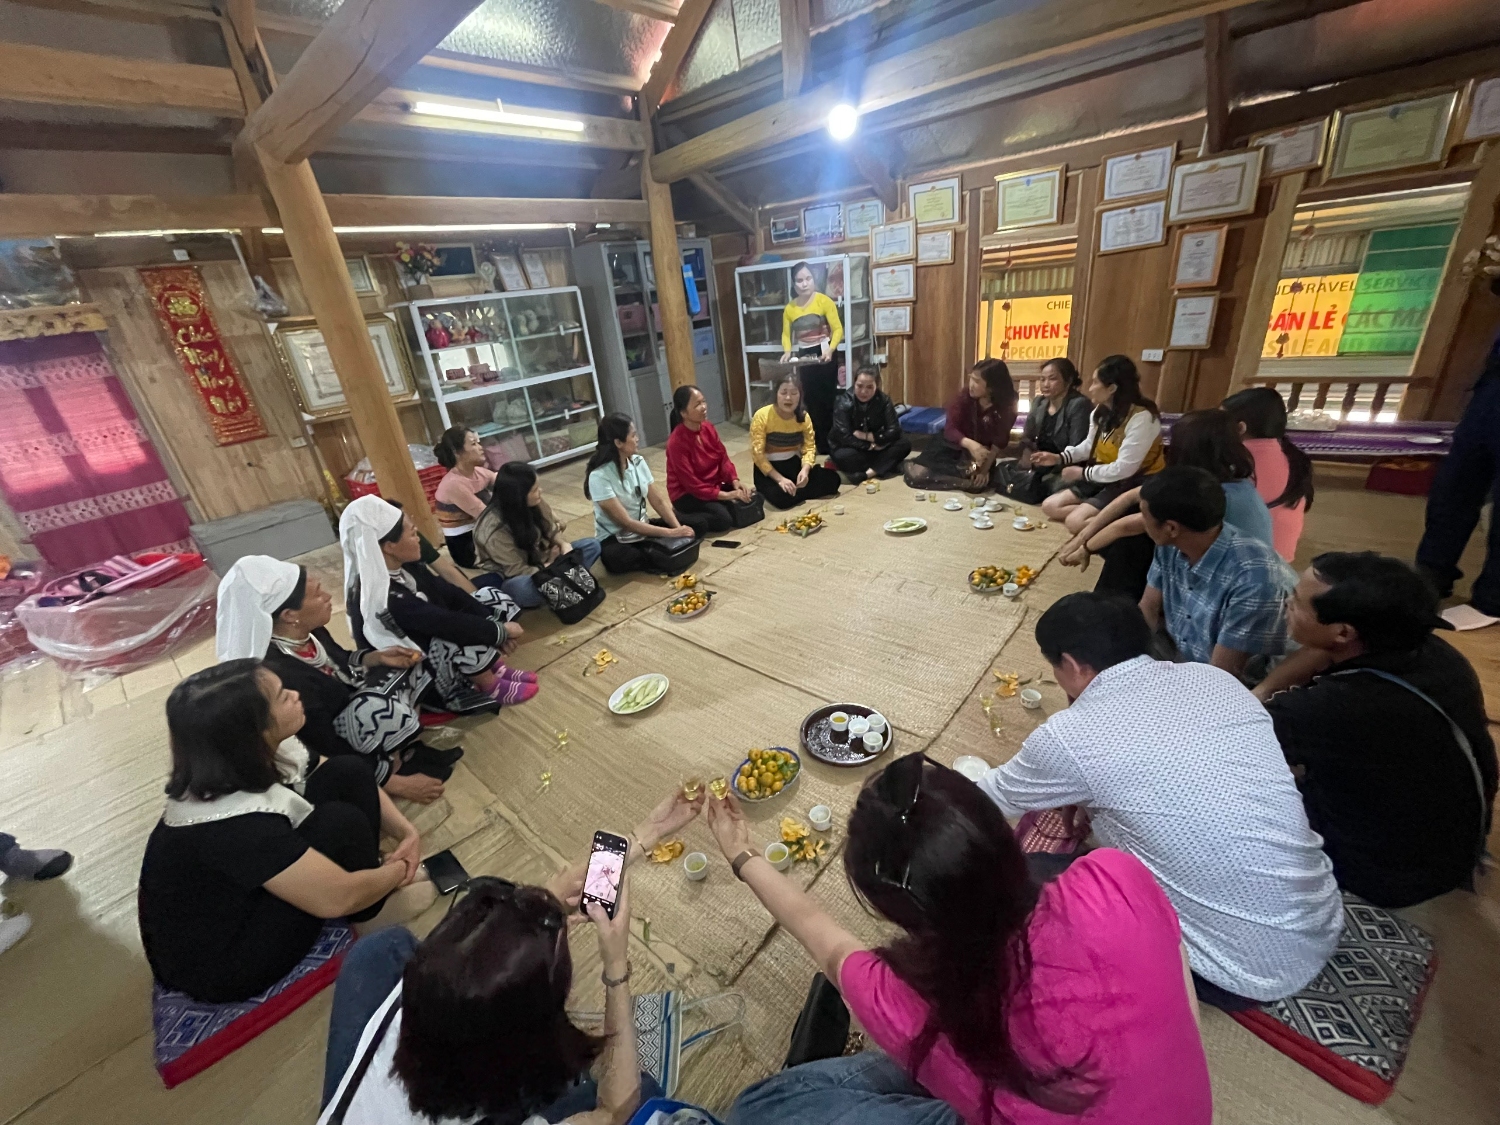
x,y
980,419
701,480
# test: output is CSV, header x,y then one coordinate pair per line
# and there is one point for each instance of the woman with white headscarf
x,y
364,703
394,600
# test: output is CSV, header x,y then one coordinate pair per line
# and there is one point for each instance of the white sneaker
x,y
13,930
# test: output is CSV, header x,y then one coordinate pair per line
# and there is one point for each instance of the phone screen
x,y
601,883
730,543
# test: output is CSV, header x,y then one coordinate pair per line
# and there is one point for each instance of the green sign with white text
x,y
1397,284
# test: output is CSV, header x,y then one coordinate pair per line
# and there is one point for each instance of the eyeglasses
x,y
901,786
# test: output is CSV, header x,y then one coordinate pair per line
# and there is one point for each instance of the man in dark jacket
x,y
866,439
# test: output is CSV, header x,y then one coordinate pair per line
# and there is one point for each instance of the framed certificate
x,y
893,320
1217,188
318,389
1199,254
536,269
934,204
862,217
1029,199
785,230
1193,322
512,277
894,283
1400,135
1133,175
935,247
1133,228
1482,109
1297,149
823,223
893,242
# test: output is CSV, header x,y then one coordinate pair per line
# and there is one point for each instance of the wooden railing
x,y
1347,394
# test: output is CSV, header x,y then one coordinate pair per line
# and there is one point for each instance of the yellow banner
x,y
1308,316
1032,329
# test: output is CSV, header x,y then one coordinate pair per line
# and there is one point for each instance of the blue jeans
x,y
1469,474
863,1089
522,589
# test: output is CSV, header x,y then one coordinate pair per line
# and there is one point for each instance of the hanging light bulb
x,y
843,119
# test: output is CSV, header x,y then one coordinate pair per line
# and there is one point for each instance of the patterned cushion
x,y
1353,1023
192,1035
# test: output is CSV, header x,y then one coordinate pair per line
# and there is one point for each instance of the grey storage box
x,y
282,531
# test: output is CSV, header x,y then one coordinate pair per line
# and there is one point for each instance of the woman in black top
x,y
260,843
1060,414
865,440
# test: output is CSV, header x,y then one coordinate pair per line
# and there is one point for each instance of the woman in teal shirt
x,y
621,485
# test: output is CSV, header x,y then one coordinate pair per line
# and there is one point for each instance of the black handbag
x,y
1028,486
822,1027
571,590
746,512
671,556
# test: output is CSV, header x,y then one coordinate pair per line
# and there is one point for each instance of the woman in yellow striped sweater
x,y
812,332
784,449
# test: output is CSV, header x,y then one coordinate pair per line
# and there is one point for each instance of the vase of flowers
x,y
416,261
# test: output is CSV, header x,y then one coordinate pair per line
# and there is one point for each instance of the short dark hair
x,y
216,725
295,599
1390,605
1097,630
868,369
1188,495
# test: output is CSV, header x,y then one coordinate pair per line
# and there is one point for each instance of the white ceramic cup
x,y
778,855
859,726
1031,699
871,488
838,509
1020,523
695,865
873,742
821,817
1010,589
838,721
877,724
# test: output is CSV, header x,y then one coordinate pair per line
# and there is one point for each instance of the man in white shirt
x,y
1179,765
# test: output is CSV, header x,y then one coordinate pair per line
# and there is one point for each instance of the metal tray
x,y
817,736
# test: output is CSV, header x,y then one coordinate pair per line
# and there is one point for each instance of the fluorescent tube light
x,y
440,228
497,116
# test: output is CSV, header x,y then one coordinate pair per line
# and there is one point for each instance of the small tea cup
x,y
859,726
932,497
873,742
821,817
871,488
1020,523
877,723
695,865
778,855
838,724
838,509
1031,699
1010,589
921,496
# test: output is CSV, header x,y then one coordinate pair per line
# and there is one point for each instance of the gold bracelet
x,y
615,983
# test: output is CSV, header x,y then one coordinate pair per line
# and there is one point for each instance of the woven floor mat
x,y
901,645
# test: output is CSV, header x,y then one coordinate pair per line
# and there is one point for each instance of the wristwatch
x,y
739,861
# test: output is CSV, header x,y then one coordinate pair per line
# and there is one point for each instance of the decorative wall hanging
x,y
1029,199
318,387
182,306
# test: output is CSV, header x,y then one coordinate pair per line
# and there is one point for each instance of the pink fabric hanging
x,y
76,465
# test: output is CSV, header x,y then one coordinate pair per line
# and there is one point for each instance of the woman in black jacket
x,y
866,439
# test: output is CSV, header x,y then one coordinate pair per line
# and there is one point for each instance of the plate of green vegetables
x,y
635,696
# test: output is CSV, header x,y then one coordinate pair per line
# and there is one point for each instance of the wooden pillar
x,y
1083,264
325,280
1216,82
1262,294
676,328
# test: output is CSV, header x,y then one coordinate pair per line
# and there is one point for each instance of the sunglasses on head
x,y
493,890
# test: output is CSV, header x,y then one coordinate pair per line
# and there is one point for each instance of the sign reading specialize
x,y
1025,329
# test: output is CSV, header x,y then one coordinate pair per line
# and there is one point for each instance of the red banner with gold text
x,y
182,305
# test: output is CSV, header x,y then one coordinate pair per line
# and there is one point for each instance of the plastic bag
x,y
421,456
21,581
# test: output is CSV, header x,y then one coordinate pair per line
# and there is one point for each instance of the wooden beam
x,y
618,180
725,200
1217,85
595,81
796,45
393,107
53,77
674,49
1262,293
60,137
442,210
676,328
1455,291
362,49
876,174
135,11
653,9
50,320
1026,37
1087,187
32,216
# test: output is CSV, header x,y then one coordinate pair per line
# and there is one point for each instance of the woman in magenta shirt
x,y
701,479
1009,1001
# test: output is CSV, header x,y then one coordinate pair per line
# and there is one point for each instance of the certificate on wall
x,y
318,387
823,223
894,283
1297,149
1401,135
1131,175
1483,117
1133,228
862,217
536,269
1217,188
893,320
512,277
893,242
935,247
1029,199
786,230
934,204
1193,322
1200,252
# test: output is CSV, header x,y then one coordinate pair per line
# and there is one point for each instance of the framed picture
x,y
1133,228
788,229
1132,175
823,223
862,217
1193,322
934,204
458,260
1216,188
893,320
300,342
1482,109
536,269
935,247
1199,254
893,242
1399,135
512,277
361,276
894,283
1029,199
1298,149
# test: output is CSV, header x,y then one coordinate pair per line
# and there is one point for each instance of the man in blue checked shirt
x,y
1218,594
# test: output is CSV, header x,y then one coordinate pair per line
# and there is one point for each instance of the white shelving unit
x,y
521,371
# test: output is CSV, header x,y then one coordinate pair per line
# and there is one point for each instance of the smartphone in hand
x,y
601,883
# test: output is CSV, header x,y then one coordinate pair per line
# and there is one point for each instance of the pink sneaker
x,y
505,672
506,692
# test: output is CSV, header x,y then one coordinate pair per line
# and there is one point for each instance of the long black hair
x,y
996,376
1210,439
528,527
1067,369
681,397
1118,371
612,428
1263,414
450,445
217,721
789,375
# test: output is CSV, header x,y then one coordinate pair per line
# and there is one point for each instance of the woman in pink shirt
x,y
1011,1002
463,493
1283,473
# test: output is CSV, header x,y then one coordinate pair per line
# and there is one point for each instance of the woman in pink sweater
x,y
463,492
1283,473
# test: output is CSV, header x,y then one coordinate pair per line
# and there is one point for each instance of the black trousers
x,y
461,549
820,389
628,558
1127,562
821,483
855,463
706,517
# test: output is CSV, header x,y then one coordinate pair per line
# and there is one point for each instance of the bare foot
x,y
401,906
416,787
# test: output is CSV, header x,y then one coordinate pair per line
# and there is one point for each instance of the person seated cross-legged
x,y
785,450
1397,768
866,439
1178,764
